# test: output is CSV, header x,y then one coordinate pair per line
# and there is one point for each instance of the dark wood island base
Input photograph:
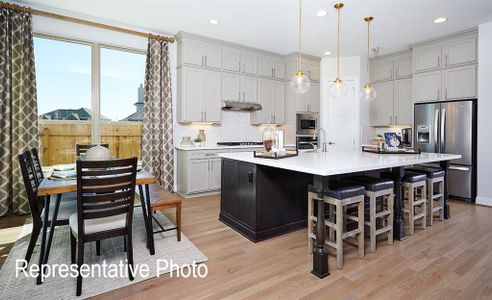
x,y
261,202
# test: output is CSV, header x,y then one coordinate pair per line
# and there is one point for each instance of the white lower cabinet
x,y
199,171
215,165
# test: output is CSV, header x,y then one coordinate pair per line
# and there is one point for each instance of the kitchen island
x,y
262,198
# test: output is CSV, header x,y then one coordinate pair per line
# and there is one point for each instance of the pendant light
x,y
300,83
338,89
368,93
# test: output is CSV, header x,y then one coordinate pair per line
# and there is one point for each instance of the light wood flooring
x,y
449,260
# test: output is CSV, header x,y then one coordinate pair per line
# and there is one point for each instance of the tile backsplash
x,y
235,126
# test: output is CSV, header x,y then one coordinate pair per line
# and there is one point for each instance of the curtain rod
x,y
83,22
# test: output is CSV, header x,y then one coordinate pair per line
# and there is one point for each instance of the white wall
x,y
484,163
353,67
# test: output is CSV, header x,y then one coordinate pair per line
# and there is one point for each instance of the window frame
x,y
95,75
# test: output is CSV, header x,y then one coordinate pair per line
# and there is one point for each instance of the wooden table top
x,y
49,187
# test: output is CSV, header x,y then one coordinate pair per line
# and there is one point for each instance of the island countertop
x,y
336,162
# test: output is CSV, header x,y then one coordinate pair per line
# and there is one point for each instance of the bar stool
x,y
339,196
414,196
382,190
435,191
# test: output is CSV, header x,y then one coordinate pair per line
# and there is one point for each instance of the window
x,y
70,112
63,77
122,75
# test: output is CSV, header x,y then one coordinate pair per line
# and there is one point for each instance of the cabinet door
x,y
403,66
265,66
427,86
460,82
382,70
250,64
264,115
213,57
193,53
249,87
460,50
247,194
302,101
314,98
427,57
278,102
278,69
382,106
403,104
231,87
192,95
198,175
231,60
314,71
212,96
215,173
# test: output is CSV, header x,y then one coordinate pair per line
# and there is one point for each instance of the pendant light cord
x,y
300,36
368,51
338,42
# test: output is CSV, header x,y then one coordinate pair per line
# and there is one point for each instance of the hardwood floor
x,y
451,259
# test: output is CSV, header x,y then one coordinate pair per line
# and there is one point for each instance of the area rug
x,y
168,249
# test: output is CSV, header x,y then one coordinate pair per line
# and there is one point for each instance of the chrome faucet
x,y
316,133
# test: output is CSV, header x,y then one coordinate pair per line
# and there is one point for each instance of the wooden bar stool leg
x,y
441,200
411,210
372,222
361,226
339,234
430,201
310,222
391,201
424,208
331,217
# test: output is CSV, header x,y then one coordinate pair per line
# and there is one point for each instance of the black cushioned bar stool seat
x,y
430,172
373,184
409,177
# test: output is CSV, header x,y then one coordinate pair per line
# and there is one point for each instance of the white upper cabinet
x,y
403,66
250,63
460,82
265,66
382,70
264,115
427,57
382,105
231,59
213,56
231,87
427,86
403,104
314,71
460,50
201,54
278,102
212,101
249,86
314,98
278,69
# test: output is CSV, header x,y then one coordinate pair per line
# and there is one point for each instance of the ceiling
x,y
272,24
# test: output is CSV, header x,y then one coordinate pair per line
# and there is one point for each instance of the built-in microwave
x,y
306,123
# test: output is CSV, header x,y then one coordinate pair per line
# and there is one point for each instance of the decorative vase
x,y
268,137
186,141
201,135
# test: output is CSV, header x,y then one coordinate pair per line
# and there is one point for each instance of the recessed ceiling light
x,y
321,13
440,20
327,52
213,21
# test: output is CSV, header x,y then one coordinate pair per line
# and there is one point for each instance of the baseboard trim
x,y
483,201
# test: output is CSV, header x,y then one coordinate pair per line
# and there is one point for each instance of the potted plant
x,y
197,142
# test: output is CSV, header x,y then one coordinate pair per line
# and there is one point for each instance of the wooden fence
x,y
58,139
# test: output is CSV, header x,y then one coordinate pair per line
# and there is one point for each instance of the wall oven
x,y
306,142
306,124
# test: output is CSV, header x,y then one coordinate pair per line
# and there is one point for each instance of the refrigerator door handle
x,y
443,130
436,126
459,168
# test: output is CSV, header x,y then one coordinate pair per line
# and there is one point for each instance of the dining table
x,y
54,188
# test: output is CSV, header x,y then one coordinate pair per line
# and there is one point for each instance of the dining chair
x,y
81,149
105,200
31,184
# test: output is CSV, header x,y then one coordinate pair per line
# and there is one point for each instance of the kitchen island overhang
x,y
262,198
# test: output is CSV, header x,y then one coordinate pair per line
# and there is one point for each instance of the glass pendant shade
x,y
338,89
300,83
368,93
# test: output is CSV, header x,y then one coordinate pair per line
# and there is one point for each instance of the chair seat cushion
x,y
373,184
66,209
342,190
409,177
430,172
98,224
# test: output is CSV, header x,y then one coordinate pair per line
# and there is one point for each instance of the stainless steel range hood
x,y
240,106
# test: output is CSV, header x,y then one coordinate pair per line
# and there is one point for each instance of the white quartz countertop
x,y
341,161
215,147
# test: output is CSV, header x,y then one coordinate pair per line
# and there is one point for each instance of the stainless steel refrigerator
x,y
450,127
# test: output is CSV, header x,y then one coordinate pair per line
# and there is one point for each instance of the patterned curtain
x,y
18,106
157,140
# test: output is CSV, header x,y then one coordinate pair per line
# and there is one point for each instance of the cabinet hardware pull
x,y
396,120
391,73
391,120
244,68
243,96
208,166
396,72
238,95
205,60
239,63
446,59
438,94
438,61
272,72
202,61
204,116
445,93
250,177
308,108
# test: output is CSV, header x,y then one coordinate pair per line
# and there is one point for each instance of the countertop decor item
x,y
392,139
368,92
276,154
186,141
390,150
98,153
268,137
198,142
338,88
201,136
300,83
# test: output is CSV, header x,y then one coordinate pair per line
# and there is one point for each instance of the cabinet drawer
x,y
204,154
